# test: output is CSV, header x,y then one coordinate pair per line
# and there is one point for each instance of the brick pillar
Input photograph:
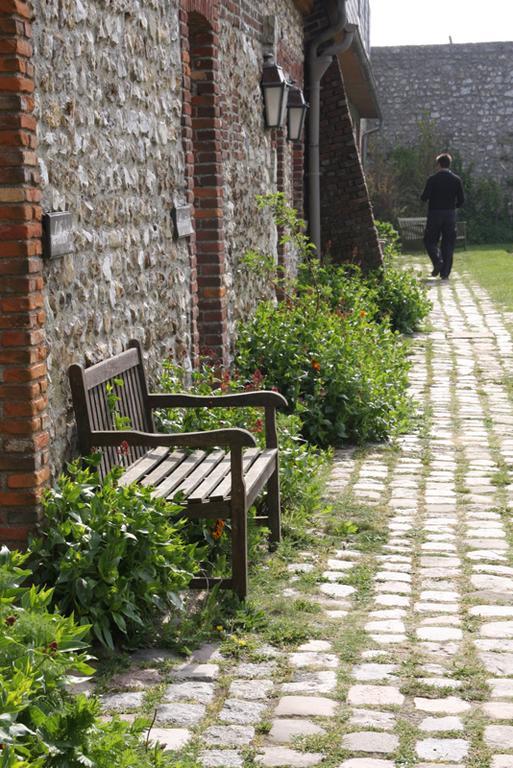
x,y
189,174
208,195
202,142
24,467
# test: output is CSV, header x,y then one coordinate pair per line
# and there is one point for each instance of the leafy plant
x,y
346,373
114,555
330,346
113,399
399,293
41,724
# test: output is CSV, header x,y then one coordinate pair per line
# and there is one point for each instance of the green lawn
x,y
492,267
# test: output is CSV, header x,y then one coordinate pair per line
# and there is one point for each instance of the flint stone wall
x,y
467,90
109,101
250,155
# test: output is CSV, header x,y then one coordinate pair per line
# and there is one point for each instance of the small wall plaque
x,y
57,234
182,216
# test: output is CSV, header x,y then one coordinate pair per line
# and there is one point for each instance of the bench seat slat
x,y
143,465
165,468
202,491
169,484
260,472
202,472
224,489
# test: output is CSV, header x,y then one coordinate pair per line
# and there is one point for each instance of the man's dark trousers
x,y
442,224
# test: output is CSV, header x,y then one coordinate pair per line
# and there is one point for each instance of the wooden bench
x,y
209,481
412,232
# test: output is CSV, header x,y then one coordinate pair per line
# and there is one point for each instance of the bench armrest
x,y
233,438
261,398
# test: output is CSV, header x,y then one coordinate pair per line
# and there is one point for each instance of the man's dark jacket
x,y
444,191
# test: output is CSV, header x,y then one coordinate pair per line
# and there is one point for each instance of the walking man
x,y
444,191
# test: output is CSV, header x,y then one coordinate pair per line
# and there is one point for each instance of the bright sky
x,y
429,22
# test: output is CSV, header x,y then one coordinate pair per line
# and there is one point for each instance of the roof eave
x,y
359,79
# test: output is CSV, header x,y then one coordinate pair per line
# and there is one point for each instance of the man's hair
x,y
444,160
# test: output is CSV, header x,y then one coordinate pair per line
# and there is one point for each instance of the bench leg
x,y
273,505
239,516
240,550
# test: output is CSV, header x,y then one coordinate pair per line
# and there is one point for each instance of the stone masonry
x,y
116,148
416,668
467,90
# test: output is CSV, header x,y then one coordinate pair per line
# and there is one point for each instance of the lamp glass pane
x,y
283,107
273,96
295,123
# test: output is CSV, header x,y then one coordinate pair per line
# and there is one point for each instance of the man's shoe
x,y
444,277
436,270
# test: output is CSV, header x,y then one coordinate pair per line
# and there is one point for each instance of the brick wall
x,y
348,230
347,225
23,383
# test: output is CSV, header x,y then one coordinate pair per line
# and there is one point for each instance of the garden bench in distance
x,y
412,232
210,482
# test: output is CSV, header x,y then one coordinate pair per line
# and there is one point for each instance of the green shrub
x,y
301,464
41,724
400,297
389,237
114,555
347,373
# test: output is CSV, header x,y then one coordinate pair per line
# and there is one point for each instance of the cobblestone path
x,y
412,661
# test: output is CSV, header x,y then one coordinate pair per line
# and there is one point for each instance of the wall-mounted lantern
x,y
296,113
275,87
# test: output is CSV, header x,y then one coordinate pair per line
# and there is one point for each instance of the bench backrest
x,y
412,229
111,395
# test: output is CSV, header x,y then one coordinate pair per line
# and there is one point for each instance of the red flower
x,y
52,648
257,378
258,425
218,529
315,365
225,381
123,448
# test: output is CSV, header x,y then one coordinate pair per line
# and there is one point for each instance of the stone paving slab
x,y
285,730
171,739
283,757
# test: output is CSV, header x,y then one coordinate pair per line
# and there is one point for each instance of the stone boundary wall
x,y
24,466
467,90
